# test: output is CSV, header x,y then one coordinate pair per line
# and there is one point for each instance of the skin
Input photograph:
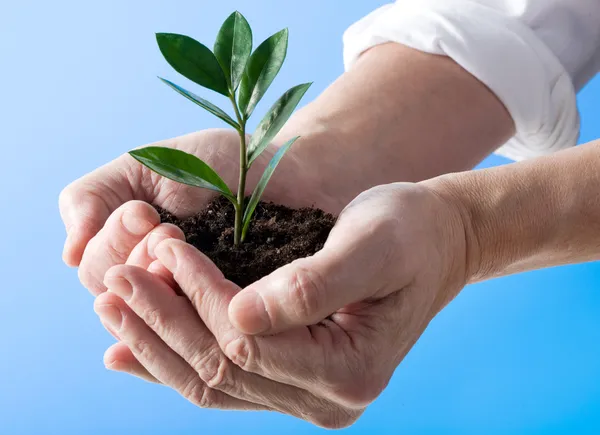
x,y
397,256
326,373
344,150
404,90
530,215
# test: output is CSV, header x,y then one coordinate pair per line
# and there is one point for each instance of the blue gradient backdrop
x,y
78,87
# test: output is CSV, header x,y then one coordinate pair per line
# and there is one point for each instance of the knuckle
x,y
199,394
142,350
154,319
209,398
241,351
304,289
215,370
193,290
379,227
116,250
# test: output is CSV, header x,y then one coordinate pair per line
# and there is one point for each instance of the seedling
x,y
243,77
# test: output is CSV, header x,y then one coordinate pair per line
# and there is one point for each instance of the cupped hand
x,y
143,298
395,258
107,212
396,238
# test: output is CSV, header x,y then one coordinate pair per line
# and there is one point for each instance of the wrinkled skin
x,y
109,220
395,258
98,235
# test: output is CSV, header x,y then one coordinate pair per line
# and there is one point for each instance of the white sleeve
x,y
533,54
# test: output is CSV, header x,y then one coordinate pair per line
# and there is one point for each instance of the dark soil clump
x,y
277,236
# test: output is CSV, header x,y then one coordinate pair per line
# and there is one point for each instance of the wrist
x,y
372,126
331,158
447,188
534,214
514,217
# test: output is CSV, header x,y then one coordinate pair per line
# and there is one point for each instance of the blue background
x,y
78,88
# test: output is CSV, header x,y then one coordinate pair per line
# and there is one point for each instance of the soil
x,y
277,236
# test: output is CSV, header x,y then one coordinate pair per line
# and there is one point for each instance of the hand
x,y
137,292
392,239
104,222
107,224
394,259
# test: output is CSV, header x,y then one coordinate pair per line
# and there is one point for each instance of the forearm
x,y
397,115
540,213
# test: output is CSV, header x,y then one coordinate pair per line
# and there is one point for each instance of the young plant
x,y
243,77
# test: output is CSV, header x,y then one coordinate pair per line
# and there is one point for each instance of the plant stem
x,y
239,209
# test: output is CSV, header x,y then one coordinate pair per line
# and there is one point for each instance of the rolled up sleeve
x,y
533,54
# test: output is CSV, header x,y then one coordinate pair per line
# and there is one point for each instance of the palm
x,y
93,206
386,264
220,150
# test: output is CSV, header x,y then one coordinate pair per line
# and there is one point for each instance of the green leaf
x,y
233,48
262,184
219,113
263,66
193,60
274,120
181,167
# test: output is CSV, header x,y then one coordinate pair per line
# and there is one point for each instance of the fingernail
x,y
121,287
249,312
109,363
153,241
134,224
111,316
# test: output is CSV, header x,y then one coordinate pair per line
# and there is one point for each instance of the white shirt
x,y
533,54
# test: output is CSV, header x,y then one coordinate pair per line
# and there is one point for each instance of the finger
x,y
125,228
156,268
348,269
320,359
143,253
159,360
175,321
86,204
210,294
119,358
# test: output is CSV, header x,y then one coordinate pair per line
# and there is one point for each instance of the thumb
x,y
84,214
86,204
348,269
